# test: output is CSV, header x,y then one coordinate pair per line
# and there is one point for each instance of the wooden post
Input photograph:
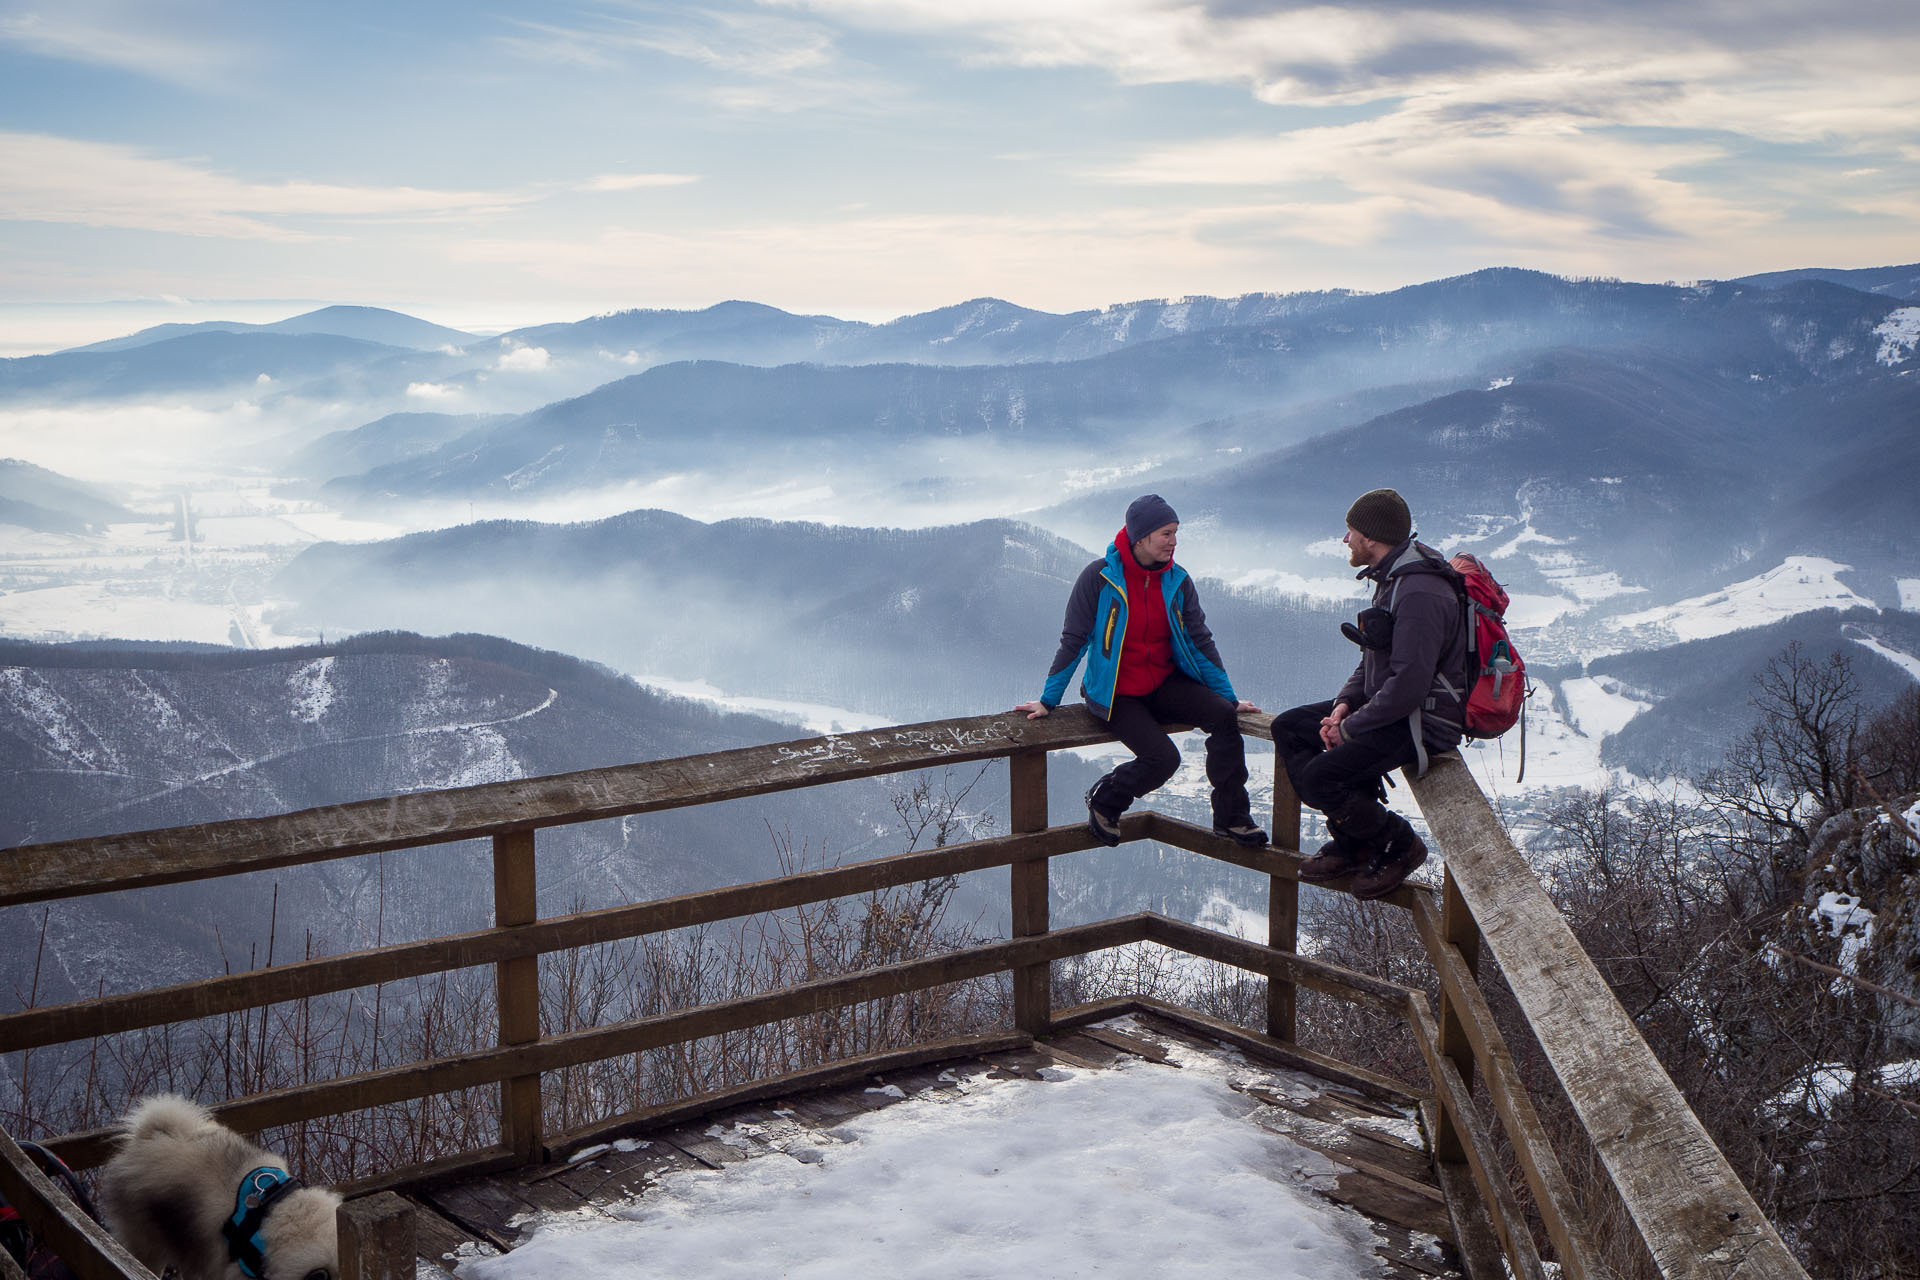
x,y
376,1238
1283,901
1698,1220
1457,930
1027,803
53,1215
517,983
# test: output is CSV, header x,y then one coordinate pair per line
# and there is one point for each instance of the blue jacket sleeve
x,y
1211,672
1076,632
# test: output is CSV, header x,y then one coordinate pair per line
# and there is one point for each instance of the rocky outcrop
x,y
1863,900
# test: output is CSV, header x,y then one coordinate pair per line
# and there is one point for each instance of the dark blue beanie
x,y
1147,513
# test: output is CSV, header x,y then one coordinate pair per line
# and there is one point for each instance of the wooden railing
x,y
1685,1201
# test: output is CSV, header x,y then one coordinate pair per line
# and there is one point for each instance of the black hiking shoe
x,y
1242,832
1332,862
1104,826
1384,874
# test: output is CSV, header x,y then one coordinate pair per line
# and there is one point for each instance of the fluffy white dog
x,y
187,1193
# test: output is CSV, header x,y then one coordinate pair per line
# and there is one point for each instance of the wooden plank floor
x,y
1381,1173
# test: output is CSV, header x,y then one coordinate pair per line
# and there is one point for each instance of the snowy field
x,y
141,581
1799,584
1132,1172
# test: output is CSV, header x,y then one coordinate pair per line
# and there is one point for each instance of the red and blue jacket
x,y
1096,629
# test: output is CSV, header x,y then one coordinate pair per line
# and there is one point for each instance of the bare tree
x,y
1794,767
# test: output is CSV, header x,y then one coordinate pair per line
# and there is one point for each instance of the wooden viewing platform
x,y
1684,1201
1384,1177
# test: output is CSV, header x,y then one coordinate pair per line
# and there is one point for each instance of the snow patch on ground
x,y
1598,706
1909,593
1899,334
1010,1177
1579,579
1342,589
312,690
1221,914
1528,612
813,716
1076,480
1527,536
1566,728
99,610
1844,918
1905,661
1800,584
48,712
484,757
1826,1082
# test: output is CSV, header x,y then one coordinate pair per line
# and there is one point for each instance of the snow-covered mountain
x,y
95,740
1688,369
1599,483
906,624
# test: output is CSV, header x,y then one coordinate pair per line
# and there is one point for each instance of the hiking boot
x,y
1384,874
1242,832
1104,826
1332,862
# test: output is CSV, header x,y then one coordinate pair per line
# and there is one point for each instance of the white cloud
x,y
754,43
1316,52
636,181
769,64
51,179
129,37
523,360
1538,177
1552,119
432,391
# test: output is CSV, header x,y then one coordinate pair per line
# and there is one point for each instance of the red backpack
x,y
1496,676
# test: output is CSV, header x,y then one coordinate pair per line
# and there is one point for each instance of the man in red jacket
x,y
1135,617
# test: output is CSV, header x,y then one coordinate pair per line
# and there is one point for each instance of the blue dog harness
x,y
245,1230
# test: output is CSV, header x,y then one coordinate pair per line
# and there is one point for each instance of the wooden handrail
x,y
1455,1099
572,1049
101,864
1696,1217
51,1214
1559,1207
82,1019
1316,975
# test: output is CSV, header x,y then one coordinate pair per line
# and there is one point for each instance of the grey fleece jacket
x,y
1429,637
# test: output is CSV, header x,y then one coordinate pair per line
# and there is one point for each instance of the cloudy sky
x,y
485,163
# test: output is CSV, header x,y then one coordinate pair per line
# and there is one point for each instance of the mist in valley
x,y
891,538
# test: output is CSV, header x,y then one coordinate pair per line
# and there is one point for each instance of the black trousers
x,y
1137,723
1343,782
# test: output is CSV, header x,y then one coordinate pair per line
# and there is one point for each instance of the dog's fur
x,y
172,1184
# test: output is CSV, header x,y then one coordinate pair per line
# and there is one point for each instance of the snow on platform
x,y
1126,1150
